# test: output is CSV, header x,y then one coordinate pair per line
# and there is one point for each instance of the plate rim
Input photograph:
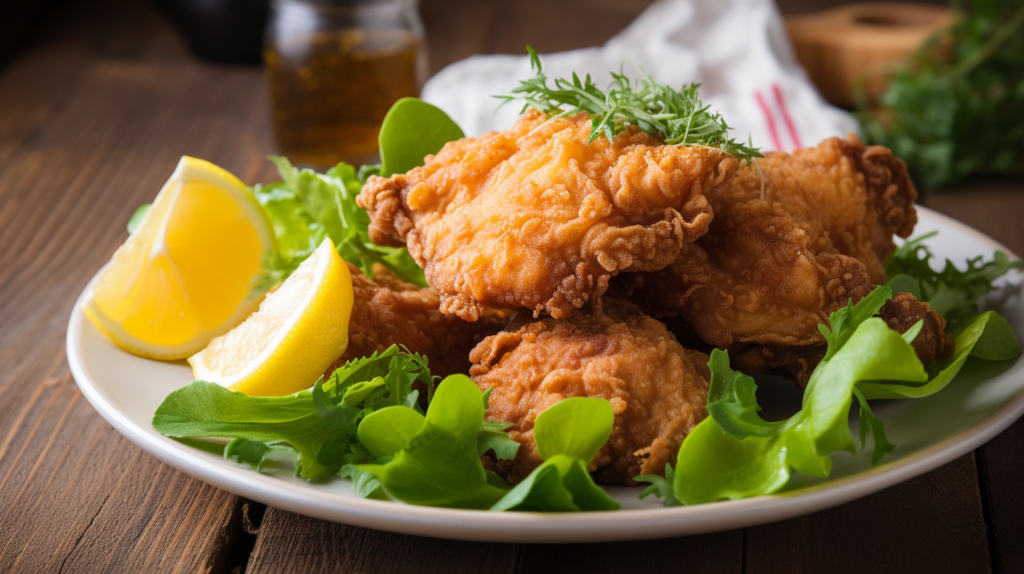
x,y
529,527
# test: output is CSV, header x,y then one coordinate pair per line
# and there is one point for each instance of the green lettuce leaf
x,y
319,425
440,466
660,486
568,435
577,427
305,207
412,130
364,484
736,454
202,409
988,337
492,437
560,484
257,454
951,292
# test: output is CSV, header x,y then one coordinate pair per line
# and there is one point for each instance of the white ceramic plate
x,y
984,400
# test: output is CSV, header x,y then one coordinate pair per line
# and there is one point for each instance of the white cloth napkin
x,y
737,49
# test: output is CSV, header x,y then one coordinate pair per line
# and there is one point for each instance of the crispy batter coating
x,y
657,388
903,311
771,268
388,311
535,217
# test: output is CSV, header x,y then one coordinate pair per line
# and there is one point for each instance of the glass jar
x,y
334,70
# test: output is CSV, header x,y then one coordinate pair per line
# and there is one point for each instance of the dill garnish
x,y
676,117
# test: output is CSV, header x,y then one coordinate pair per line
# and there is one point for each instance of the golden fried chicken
x,y
535,217
388,311
656,387
772,267
903,311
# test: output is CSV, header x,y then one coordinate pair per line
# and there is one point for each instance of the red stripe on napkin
x,y
785,116
768,118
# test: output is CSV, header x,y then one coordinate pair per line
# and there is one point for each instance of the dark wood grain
x,y
996,206
95,116
720,553
932,523
291,542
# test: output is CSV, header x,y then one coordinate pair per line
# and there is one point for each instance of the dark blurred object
x,y
335,67
18,22
226,31
958,110
861,43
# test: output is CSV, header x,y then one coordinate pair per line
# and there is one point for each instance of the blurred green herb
x,y
957,107
676,117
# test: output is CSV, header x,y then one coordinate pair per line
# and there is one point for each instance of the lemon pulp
x,y
184,276
298,331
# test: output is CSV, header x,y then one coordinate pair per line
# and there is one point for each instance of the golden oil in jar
x,y
330,90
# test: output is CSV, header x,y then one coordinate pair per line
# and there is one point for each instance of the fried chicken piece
x,y
535,217
772,267
388,311
904,311
656,387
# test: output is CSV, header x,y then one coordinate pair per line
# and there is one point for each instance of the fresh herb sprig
x,y
676,117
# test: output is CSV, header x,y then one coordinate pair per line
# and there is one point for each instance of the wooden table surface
x,y
94,114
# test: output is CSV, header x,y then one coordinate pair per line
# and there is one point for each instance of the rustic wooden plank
x,y
720,553
932,523
97,113
291,542
994,205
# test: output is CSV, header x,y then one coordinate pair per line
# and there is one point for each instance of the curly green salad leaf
x,y
305,207
950,292
364,423
435,460
318,427
734,453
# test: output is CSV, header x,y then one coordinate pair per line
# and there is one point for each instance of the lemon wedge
x,y
184,274
298,331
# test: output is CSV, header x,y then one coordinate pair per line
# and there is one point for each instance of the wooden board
x,y
96,114
291,542
932,523
995,204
